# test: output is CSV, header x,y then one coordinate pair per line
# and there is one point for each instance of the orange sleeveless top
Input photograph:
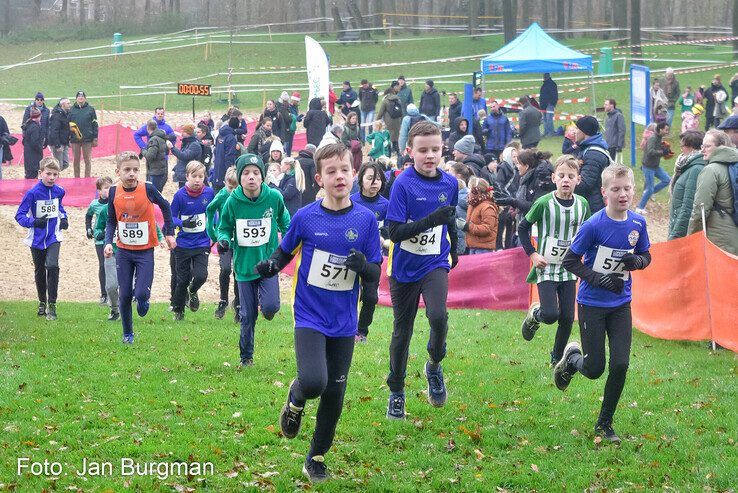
x,y
136,221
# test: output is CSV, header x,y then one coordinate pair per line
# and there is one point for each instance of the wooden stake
x,y
164,105
102,113
117,138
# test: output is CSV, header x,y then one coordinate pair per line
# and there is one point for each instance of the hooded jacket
x,y
45,114
593,163
716,193
392,124
35,203
238,209
615,129
405,95
33,144
549,93
530,126
4,143
430,103
290,194
86,120
368,97
454,111
216,207
478,167
190,150
682,196
59,134
278,125
497,129
456,133
305,158
413,115
225,154
156,154
350,132
482,220
535,183
315,122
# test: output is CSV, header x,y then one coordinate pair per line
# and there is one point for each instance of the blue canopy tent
x,y
534,51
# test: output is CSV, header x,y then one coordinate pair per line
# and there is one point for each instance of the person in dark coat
x,y
347,98
549,98
535,170
59,133
459,128
595,158
454,107
205,138
33,144
226,152
84,126
271,112
497,130
305,158
40,104
289,184
261,141
283,106
5,155
315,122
190,150
156,154
368,97
464,153
529,124
430,101
709,101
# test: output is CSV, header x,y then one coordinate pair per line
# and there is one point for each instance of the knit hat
x,y
249,160
295,96
81,93
40,95
589,125
310,148
411,107
276,146
465,145
284,96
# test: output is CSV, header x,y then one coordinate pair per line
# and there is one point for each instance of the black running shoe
x,y
41,309
220,311
314,469
194,302
530,324
290,418
178,316
562,372
113,316
554,359
605,431
396,406
436,388
51,311
237,314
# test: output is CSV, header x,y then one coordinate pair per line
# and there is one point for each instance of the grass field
x,y
70,390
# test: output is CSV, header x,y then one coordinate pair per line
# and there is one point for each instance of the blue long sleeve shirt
x,y
142,133
154,196
42,201
185,206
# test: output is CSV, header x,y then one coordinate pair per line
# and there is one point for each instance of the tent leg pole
x,y
594,98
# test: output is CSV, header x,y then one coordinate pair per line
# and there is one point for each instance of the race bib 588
x,y
48,208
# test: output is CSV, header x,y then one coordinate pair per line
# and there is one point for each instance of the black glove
x,y
140,155
454,259
612,282
267,268
369,293
632,261
40,222
384,232
442,215
511,201
222,247
90,233
64,223
100,236
356,261
190,222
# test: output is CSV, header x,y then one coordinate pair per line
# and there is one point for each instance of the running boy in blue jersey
x,y
337,245
614,242
42,212
422,229
371,182
193,244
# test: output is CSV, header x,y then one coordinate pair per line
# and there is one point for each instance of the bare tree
x,y
544,13
473,16
509,19
5,10
359,23
206,7
735,28
378,9
560,17
620,17
322,13
635,25
525,13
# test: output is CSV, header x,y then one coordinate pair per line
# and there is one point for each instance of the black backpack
x,y
395,108
414,120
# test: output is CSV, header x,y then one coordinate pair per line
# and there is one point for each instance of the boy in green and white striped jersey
x,y
557,216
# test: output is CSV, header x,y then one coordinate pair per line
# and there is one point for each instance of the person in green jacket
x,y
103,185
83,131
225,260
684,184
380,140
250,220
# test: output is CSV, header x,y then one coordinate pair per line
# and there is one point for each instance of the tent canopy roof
x,y
535,51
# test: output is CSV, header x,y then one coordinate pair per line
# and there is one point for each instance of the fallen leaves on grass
x,y
475,435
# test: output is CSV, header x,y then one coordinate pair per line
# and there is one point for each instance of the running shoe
x,y
290,418
396,406
563,372
51,311
436,388
220,311
605,431
530,324
41,309
314,469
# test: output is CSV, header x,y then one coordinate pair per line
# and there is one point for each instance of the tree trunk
x,y
588,17
234,12
81,12
163,6
509,19
735,28
5,10
337,22
95,10
635,25
206,6
525,14
147,8
322,13
560,17
416,16
378,9
620,17
570,16
359,23
544,13
473,16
